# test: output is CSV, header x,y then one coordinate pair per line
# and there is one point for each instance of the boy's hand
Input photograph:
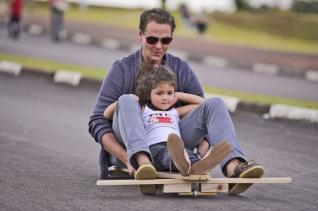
x,y
176,97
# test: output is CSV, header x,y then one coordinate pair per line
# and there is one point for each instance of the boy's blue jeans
x,y
162,159
210,119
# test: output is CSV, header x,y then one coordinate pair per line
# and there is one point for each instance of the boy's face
x,y
162,96
153,49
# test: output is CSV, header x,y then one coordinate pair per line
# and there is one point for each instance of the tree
x,y
305,6
242,5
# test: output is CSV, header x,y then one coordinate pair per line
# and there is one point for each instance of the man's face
x,y
153,49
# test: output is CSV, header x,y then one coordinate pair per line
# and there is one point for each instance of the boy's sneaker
x,y
248,169
146,171
211,159
178,154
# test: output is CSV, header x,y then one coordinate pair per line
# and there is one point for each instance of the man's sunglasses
x,y
153,40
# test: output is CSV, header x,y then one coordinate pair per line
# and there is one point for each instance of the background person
x,y
57,8
198,22
186,16
201,23
4,13
14,24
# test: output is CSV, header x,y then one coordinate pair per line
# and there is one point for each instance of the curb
x,y
213,61
233,104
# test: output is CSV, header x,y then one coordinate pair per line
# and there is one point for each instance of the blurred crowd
x,y
11,15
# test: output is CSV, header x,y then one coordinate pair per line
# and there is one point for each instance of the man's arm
x,y
111,145
100,127
118,81
110,91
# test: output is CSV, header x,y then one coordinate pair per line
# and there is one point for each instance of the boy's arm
x,y
183,110
193,101
188,98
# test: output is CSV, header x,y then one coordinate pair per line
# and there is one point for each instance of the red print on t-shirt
x,y
164,119
160,118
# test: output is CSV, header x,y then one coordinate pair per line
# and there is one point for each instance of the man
x,y
210,119
15,18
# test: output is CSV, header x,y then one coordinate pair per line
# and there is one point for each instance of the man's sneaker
x,y
178,154
146,171
211,159
248,169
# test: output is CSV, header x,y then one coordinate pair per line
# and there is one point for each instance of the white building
x,y
194,5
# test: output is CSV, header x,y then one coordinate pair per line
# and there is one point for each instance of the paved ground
x,y
48,160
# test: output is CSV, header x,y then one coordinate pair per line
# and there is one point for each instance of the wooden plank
x,y
273,180
214,188
141,182
264,180
176,188
168,175
162,174
197,178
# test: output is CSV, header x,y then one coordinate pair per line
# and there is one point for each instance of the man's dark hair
x,y
158,15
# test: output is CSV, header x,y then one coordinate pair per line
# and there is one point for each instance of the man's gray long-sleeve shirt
x,y
120,80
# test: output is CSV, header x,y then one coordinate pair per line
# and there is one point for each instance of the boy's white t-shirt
x,y
159,124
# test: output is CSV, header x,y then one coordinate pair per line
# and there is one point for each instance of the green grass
x,y
252,38
99,15
262,99
99,74
51,66
218,31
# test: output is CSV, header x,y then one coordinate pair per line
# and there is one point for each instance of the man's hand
x,y
131,169
112,146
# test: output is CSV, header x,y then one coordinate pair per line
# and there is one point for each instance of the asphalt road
x,y
48,160
232,79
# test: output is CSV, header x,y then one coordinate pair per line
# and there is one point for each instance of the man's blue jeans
x,y
210,119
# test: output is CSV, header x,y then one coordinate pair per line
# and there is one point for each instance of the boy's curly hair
x,y
149,77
